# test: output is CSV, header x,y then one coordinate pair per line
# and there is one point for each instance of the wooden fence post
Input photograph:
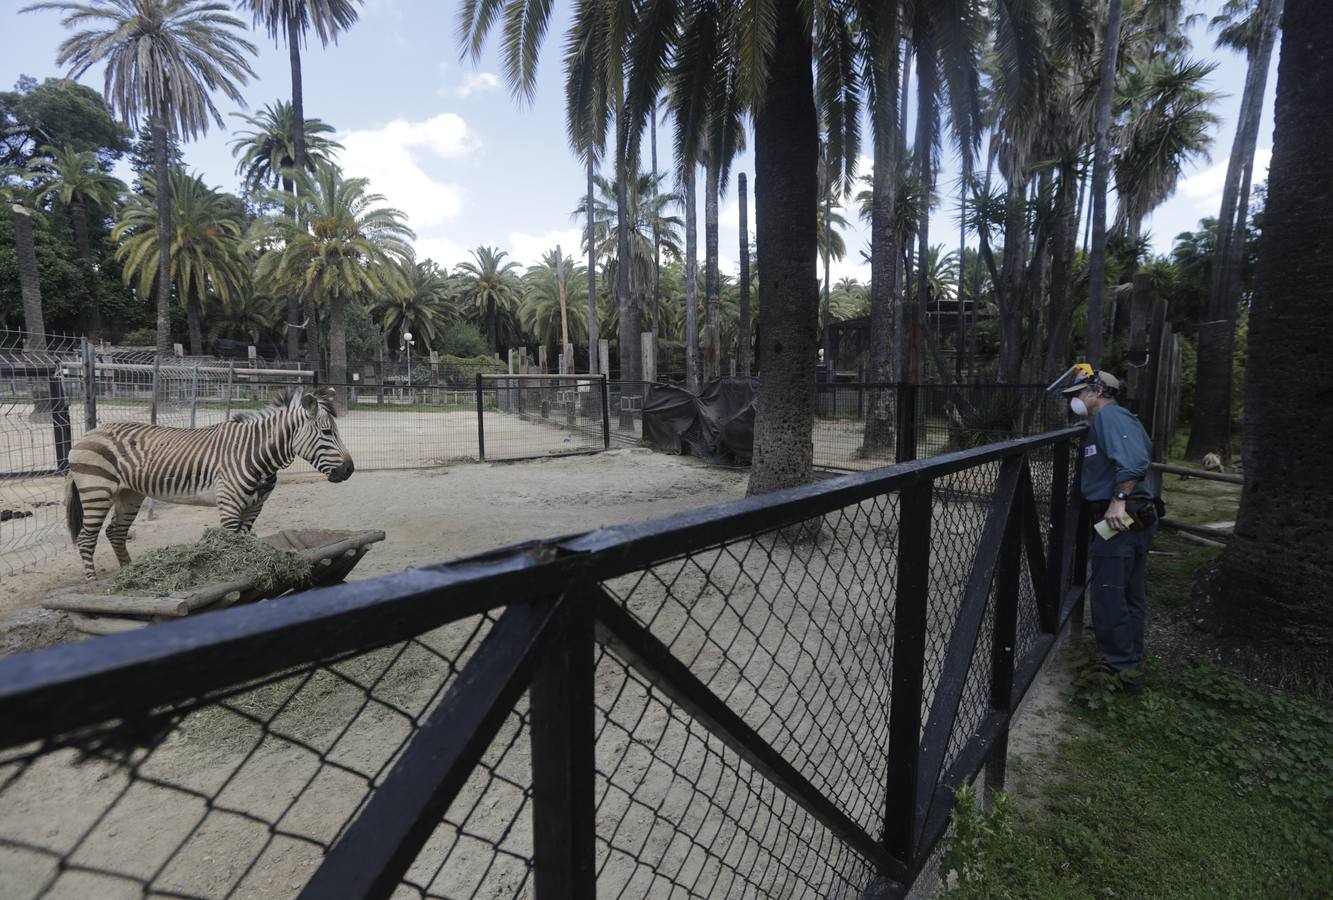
x,y
434,378
194,394
89,353
231,374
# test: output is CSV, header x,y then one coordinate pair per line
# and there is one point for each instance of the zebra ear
x,y
311,404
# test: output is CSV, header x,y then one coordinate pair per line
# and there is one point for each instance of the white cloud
x,y
527,249
391,158
728,266
441,250
1205,188
478,82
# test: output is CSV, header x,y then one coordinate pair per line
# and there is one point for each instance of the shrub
x,y
463,339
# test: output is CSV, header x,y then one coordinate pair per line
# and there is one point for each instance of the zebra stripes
x,y
233,465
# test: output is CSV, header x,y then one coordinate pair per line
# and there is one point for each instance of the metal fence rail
x,y
774,696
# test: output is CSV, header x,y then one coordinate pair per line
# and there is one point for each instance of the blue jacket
x,y
1116,449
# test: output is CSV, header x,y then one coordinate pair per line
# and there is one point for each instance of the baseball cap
x,y
1086,377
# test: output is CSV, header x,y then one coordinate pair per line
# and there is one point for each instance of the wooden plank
x,y
117,605
1192,472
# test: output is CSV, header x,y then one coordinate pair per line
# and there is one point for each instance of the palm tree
x,y
489,285
14,192
340,245
546,311
289,20
1101,161
248,314
424,305
267,150
646,214
207,257
1271,591
774,58
1250,25
74,180
163,59
267,155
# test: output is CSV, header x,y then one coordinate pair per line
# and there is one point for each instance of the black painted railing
x,y
775,696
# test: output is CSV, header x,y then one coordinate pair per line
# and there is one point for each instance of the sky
x,y
443,140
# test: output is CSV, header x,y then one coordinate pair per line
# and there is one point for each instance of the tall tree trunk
x,y
1211,428
877,441
743,324
1272,585
492,325
1101,162
691,280
298,150
630,367
298,100
162,173
194,316
592,276
293,303
30,282
92,310
712,319
338,342
786,205
657,241
927,114
1062,272
960,332
826,316
561,293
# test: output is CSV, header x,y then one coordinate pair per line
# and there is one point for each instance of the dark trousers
x,y
1120,596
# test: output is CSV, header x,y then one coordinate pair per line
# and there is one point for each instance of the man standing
x,y
1117,456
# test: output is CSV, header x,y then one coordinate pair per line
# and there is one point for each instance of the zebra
x,y
233,465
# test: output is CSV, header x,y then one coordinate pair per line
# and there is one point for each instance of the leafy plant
x,y
977,845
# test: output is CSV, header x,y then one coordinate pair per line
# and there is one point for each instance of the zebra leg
x,y
96,502
127,507
257,505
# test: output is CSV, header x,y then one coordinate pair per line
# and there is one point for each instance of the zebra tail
x,y
73,510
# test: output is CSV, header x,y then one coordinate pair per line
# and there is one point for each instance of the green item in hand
x,y
219,555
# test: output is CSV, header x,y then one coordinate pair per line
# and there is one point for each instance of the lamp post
x,y
407,343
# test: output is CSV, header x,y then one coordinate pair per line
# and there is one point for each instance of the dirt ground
x,y
431,515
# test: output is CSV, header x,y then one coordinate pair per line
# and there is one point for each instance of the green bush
x,y
141,337
463,339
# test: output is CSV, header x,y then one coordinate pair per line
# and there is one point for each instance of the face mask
x,y
1079,407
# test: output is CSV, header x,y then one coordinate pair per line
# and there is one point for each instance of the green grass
x,y
1205,787
1198,502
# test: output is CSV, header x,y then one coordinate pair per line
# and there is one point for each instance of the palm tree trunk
x,y
743,311
657,239
92,312
293,304
1062,272
877,441
592,275
194,315
927,114
1271,591
1101,161
338,342
712,319
30,285
560,289
1211,427
825,316
630,367
492,325
691,281
960,333
786,208
162,173
298,100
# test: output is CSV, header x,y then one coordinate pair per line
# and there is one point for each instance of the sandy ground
x,y
431,515
792,629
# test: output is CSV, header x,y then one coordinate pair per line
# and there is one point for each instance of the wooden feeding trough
x,y
332,555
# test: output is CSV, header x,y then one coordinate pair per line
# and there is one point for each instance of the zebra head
x,y
316,439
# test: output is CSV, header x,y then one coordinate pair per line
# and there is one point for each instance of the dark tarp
x,y
717,425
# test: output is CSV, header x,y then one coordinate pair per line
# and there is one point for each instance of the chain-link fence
x,y
860,425
773,697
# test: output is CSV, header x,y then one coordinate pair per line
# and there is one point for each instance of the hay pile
x,y
218,556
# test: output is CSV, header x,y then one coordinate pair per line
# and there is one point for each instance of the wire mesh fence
x,y
730,702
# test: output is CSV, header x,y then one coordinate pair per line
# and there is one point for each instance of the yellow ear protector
x,y
1083,370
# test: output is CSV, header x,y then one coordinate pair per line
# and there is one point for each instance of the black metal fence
x,y
860,425
770,697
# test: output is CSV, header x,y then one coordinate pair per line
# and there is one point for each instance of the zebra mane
x,y
324,395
